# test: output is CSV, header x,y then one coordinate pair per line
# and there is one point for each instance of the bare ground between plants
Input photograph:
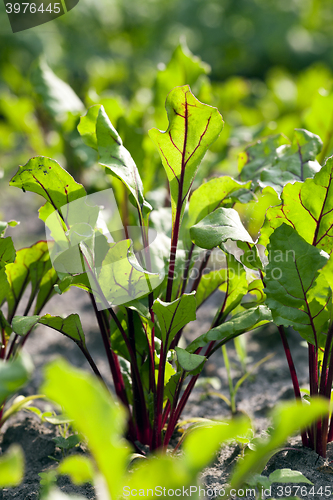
x,y
256,396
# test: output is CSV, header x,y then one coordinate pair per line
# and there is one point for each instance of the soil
x,y
259,393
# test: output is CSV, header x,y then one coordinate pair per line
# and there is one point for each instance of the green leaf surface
x,y
183,68
211,195
288,476
98,132
272,162
11,467
22,324
173,316
47,178
218,227
14,374
230,279
290,275
193,127
307,207
189,362
100,419
70,326
79,468
56,96
212,434
121,277
287,419
7,252
18,273
240,323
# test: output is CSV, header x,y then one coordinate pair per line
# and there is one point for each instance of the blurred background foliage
x,y
266,65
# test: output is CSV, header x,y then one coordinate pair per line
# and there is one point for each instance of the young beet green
x,y
298,277
152,375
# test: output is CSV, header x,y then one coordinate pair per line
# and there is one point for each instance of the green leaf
x,y
218,227
307,207
56,95
173,316
96,415
290,274
193,127
183,68
98,132
230,279
66,443
212,434
211,195
79,468
288,476
70,327
18,273
46,177
45,287
238,324
14,374
271,162
11,467
23,324
121,277
7,252
287,419
189,362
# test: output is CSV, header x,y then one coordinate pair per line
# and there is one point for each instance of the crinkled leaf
x,y
173,316
14,374
189,362
210,196
70,326
218,227
271,162
238,324
307,207
47,178
11,467
290,275
98,132
56,95
193,127
121,278
96,415
7,252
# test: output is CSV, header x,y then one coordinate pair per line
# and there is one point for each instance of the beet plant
x,y
297,278
145,271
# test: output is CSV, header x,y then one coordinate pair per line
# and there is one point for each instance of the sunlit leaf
x,y
193,127
218,227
